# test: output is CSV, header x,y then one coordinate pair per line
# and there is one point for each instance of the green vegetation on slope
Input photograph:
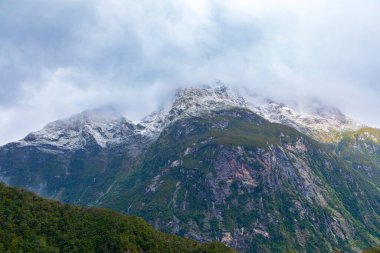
x,y
29,223
228,176
261,187
372,251
362,149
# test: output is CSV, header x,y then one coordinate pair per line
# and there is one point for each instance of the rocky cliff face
x,y
362,149
214,166
256,186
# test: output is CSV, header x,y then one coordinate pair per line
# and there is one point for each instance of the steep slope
x,y
232,176
78,159
30,223
75,159
362,149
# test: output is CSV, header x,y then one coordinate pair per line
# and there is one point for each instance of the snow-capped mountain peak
x,y
105,127
189,102
324,123
102,125
192,101
98,116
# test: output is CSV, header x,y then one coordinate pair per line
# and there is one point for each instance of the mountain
x,y
231,175
30,223
102,127
257,175
323,123
74,159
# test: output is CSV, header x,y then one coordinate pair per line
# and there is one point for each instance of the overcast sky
x,y
64,56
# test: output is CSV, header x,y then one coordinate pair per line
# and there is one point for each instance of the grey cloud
x,y
60,57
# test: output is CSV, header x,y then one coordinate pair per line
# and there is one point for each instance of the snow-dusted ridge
x,y
322,122
106,127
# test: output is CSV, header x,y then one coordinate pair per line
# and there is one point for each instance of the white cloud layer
x,y
60,57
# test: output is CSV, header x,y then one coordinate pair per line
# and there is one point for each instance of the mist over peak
x,y
133,56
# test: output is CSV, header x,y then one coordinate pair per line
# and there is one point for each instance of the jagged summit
x,y
191,101
101,125
101,115
324,123
105,126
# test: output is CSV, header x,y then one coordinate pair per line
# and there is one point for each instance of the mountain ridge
x,y
326,124
197,168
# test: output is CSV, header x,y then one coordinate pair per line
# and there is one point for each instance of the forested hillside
x,y
29,223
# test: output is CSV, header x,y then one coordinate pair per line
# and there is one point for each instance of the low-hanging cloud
x,y
58,58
